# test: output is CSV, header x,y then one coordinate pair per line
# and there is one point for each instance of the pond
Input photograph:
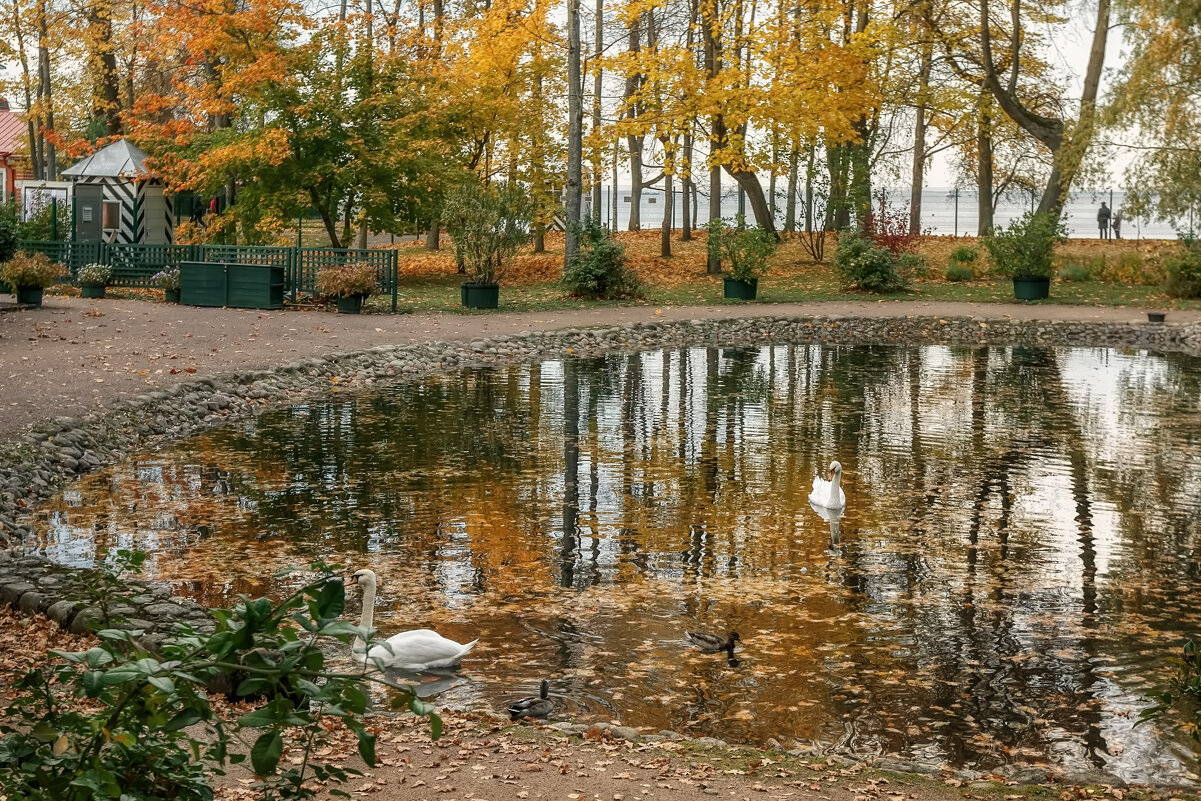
x,y
1018,557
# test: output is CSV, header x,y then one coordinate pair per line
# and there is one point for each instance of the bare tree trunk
x,y
790,204
31,123
597,51
634,143
1048,130
106,98
984,176
433,236
45,96
919,141
575,132
713,266
686,190
668,211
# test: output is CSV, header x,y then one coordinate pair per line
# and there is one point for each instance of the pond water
x,y
1018,557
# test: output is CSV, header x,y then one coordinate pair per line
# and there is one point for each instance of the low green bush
x,y
959,272
743,250
964,254
598,269
117,721
913,264
865,265
1074,271
1183,267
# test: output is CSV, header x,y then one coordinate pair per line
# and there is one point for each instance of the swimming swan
x,y
827,493
418,649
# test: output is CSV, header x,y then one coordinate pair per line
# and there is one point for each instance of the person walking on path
x,y
1103,220
1115,222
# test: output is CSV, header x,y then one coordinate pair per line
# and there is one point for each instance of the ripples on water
x,y
1018,555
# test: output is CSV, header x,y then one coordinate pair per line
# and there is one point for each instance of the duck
x,y
826,492
713,643
534,706
418,649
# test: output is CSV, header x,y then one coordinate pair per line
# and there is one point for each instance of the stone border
x,y
56,452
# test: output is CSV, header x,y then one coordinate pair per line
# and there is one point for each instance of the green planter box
x,y
479,296
243,286
741,290
91,290
352,304
1031,288
29,294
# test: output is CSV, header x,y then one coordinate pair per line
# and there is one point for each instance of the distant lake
x,y
939,211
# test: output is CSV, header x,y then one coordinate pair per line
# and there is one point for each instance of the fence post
x,y
395,266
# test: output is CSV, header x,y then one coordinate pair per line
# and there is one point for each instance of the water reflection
x,y
1020,552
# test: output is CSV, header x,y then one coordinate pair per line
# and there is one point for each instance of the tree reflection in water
x,y
1019,554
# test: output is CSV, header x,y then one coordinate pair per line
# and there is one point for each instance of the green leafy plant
x,y
488,223
1025,248
31,271
1075,272
964,254
598,269
118,721
347,280
865,265
8,234
94,274
959,272
166,278
1183,268
1183,694
912,264
745,250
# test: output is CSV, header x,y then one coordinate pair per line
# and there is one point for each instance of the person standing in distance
x,y
1103,220
1115,222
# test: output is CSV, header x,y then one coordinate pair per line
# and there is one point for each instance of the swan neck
x,y
368,617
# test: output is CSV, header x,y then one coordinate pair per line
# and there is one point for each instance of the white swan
x,y
827,493
419,649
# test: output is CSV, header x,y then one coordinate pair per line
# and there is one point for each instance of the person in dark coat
x,y
1103,220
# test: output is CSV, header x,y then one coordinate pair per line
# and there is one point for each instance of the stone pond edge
x,y
50,455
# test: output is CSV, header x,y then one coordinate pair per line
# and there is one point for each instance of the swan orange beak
x,y
350,580
830,477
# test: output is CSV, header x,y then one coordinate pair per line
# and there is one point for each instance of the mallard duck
x,y
828,493
712,643
532,707
419,649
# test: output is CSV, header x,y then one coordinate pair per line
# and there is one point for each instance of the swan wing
x,y
419,648
821,495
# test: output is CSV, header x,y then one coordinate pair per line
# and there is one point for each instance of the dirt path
x,y
73,356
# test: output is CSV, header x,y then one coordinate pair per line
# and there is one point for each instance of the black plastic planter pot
x,y
352,304
741,290
171,295
479,296
1031,288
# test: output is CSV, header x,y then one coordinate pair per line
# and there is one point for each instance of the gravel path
x,y
74,356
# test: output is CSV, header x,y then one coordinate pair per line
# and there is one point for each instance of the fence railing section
x,y
136,264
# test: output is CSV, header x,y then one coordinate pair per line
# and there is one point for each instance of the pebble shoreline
x,y
52,454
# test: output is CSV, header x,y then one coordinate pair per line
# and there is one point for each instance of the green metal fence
x,y
136,264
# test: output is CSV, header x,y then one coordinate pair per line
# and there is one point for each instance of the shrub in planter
x,y
1075,271
1026,247
356,279
488,224
167,278
94,274
598,269
36,271
746,250
865,265
1183,268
